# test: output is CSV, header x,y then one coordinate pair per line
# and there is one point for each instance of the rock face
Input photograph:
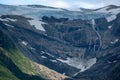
x,y
107,66
81,49
16,66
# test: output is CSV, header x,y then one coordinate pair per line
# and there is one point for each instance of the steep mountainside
x,y
9,58
15,66
83,48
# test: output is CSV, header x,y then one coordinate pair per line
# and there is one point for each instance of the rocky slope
x,y
14,65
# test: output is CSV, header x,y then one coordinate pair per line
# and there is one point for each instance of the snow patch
x,y
111,18
115,41
13,20
102,10
53,61
79,63
3,19
37,24
32,48
115,11
93,22
50,54
63,73
43,57
24,43
8,19
112,11
114,61
42,52
90,63
109,27
8,25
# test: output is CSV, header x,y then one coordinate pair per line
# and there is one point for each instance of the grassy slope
x,y
15,66
5,73
21,61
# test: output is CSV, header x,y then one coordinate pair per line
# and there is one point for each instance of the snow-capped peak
x,y
40,6
109,7
113,9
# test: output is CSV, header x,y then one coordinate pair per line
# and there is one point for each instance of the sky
x,y
90,4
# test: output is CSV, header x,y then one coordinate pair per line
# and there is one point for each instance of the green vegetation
x,y
21,61
5,73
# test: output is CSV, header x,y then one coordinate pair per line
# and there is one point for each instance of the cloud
x,y
64,3
89,5
60,4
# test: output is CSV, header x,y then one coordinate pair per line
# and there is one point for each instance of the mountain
x,y
109,9
38,13
112,9
14,65
74,46
40,6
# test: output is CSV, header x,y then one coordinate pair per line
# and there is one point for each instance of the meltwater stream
x,y
98,34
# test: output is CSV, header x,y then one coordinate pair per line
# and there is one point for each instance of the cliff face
x,y
107,66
